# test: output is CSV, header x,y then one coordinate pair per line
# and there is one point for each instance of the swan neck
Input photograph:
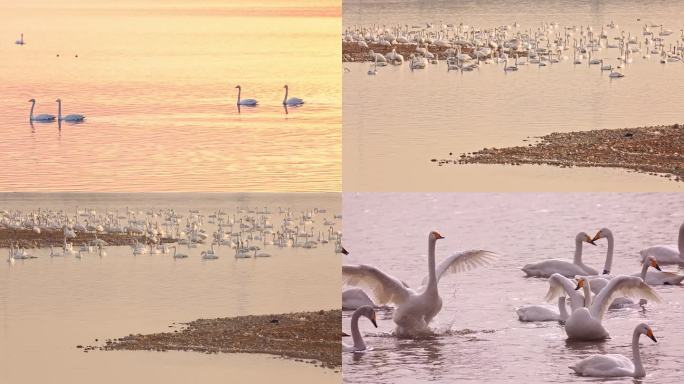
x,y
638,365
578,252
285,98
680,241
587,294
562,309
359,345
33,104
432,279
239,92
644,269
59,110
609,255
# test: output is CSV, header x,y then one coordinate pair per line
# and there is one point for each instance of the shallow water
x,y
480,338
50,305
156,81
398,120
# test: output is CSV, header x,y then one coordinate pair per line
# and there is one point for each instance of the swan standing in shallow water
x,y
667,254
539,313
585,323
612,365
547,268
247,102
359,345
292,101
72,118
415,308
40,117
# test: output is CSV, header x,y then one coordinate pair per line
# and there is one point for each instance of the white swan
x,y
292,101
40,117
415,308
177,255
55,254
561,286
359,345
667,254
209,254
539,313
658,277
612,365
585,323
355,298
247,102
547,268
68,118
20,41
605,233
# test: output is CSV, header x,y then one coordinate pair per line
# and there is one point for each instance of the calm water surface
x,y
481,339
156,81
50,305
398,120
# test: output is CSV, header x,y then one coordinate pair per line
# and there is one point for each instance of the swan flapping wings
x,y
386,289
561,286
462,262
621,286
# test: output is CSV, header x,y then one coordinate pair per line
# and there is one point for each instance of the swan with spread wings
x,y
415,307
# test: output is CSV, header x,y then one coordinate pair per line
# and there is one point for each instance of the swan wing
x,y
463,261
560,286
385,288
621,286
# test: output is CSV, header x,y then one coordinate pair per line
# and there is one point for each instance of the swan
x,y
209,254
177,255
605,233
71,118
415,308
55,254
612,365
355,298
292,101
42,116
667,254
585,323
247,102
20,41
658,277
359,345
568,269
539,313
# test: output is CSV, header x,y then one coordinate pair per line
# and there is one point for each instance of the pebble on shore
x,y
657,150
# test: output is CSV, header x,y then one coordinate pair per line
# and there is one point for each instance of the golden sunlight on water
x,y
156,81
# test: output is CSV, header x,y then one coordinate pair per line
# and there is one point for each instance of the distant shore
x,y
353,52
27,238
657,150
302,336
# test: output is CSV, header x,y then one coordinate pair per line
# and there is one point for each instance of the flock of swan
x,y
245,233
465,47
588,294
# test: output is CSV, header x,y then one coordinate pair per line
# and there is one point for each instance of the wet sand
x,y
26,238
655,150
302,336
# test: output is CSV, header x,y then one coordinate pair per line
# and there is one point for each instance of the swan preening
x,y
415,308
359,345
247,102
68,118
41,117
584,323
547,268
667,254
612,365
292,101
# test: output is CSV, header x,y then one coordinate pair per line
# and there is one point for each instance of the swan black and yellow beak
x,y
372,319
655,265
649,333
596,236
580,284
590,240
438,236
344,251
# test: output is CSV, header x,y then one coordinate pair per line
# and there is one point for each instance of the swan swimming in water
x,y
585,323
68,118
415,308
292,101
612,365
539,313
20,41
247,102
547,268
658,277
359,345
667,254
40,117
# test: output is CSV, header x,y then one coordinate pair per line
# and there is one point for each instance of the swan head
x,y
602,234
651,260
286,87
581,282
434,235
368,312
582,236
58,100
32,101
644,329
238,87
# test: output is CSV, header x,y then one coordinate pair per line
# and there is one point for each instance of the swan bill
x,y
650,334
580,284
372,319
654,264
344,251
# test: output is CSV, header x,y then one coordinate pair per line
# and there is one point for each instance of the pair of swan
x,y
613,365
667,254
584,323
44,117
292,101
359,345
415,307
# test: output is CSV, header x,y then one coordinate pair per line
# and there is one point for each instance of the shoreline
x,y
353,52
655,150
301,336
27,238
